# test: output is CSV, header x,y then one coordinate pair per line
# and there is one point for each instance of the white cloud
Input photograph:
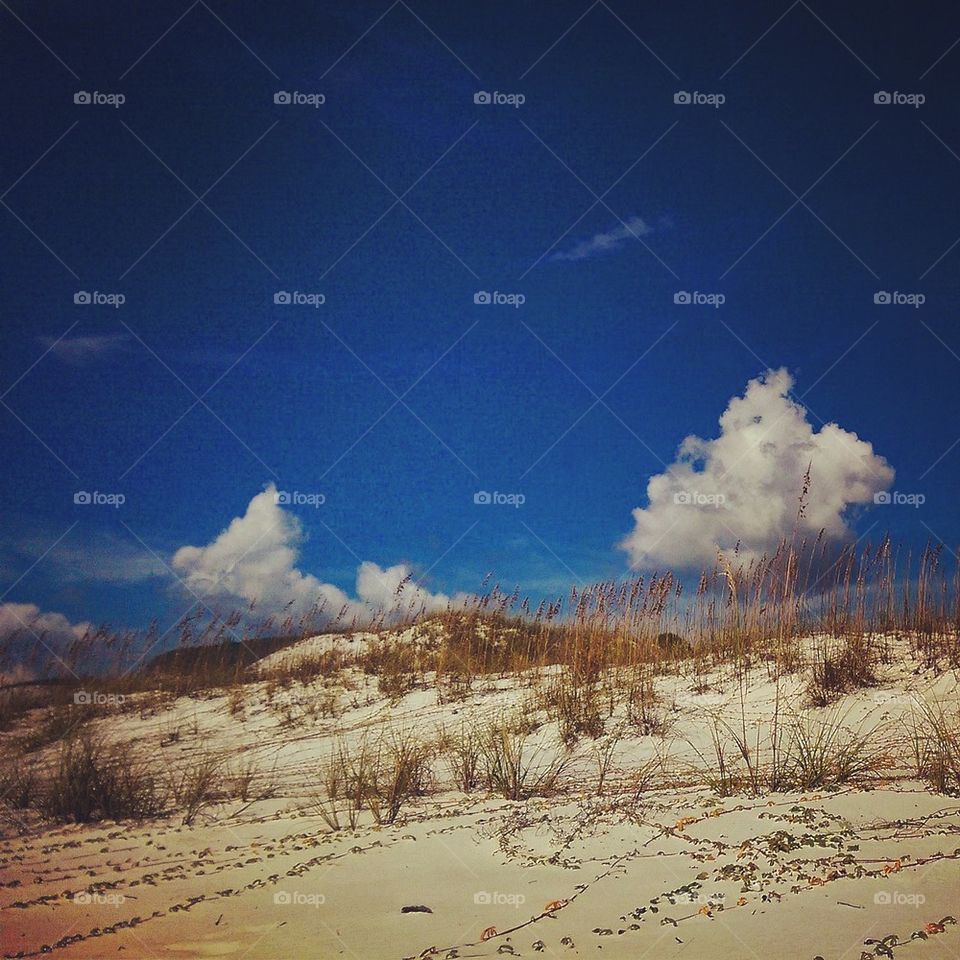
x,y
756,465
255,559
601,243
34,642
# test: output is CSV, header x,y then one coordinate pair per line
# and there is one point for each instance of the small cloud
x,y
601,243
80,350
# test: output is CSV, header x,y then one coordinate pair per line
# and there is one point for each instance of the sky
x,y
300,303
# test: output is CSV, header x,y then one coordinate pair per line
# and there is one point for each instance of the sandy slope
x,y
675,871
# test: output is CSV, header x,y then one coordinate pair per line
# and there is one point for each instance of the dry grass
x,y
935,738
827,751
243,775
18,784
397,666
515,767
801,751
377,776
591,659
306,669
56,724
90,778
643,711
577,708
836,672
737,614
94,780
196,785
603,752
462,749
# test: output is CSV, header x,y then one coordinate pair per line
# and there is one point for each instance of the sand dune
x,y
664,868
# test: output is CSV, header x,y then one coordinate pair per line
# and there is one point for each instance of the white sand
x,y
783,875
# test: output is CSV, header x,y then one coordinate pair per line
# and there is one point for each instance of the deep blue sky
x,y
286,215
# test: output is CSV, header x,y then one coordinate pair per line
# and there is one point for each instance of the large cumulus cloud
x,y
744,485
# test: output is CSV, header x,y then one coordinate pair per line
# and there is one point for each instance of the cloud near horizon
x,y
744,485
601,243
255,559
34,642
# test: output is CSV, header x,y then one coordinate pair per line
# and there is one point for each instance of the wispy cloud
x,y
80,350
95,558
601,243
